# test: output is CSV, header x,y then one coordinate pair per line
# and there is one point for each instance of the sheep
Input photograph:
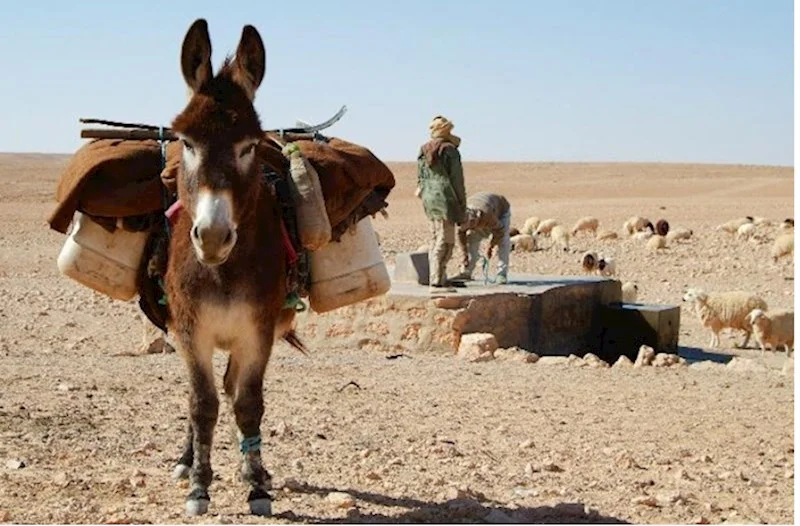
x,y
560,237
513,232
635,224
783,246
606,266
662,227
656,243
530,225
630,292
732,226
775,328
546,226
589,262
762,221
787,224
746,231
724,310
606,235
587,223
642,235
524,242
679,234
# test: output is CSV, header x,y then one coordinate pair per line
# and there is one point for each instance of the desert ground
x,y
90,432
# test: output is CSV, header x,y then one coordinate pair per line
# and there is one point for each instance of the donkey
x,y
226,276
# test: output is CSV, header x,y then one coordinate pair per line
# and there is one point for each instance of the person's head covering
x,y
441,128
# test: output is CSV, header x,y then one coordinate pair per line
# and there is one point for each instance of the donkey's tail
x,y
292,339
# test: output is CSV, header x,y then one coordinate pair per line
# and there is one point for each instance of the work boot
x,y
502,280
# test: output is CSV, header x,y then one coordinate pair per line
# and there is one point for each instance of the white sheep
x,y
773,329
656,243
635,224
783,246
606,235
546,226
724,310
746,231
679,234
589,262
642,235
560,237
787,224
606,266
525,242
588,224
732,226
630,292
762,221
530,225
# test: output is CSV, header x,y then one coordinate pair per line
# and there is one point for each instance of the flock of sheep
x,y
734,310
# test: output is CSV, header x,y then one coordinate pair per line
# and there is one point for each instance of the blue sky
x,y
527,80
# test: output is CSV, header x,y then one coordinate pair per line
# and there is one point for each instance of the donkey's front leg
x,y
203,412
184,466
244,382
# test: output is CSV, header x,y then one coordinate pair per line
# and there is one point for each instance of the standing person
x,y
487,215
440,178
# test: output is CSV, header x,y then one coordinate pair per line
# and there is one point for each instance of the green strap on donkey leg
x,y
249,444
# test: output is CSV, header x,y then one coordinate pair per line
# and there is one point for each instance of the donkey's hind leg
x,y
184,465
244,382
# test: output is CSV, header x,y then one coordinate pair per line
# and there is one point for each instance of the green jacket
x,y
442,182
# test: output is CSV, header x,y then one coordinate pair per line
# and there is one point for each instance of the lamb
x,y
679,234
783,246
724,310
606,266
775,328
589,262
787,224
642,235
656,243
746,231
630,292
546,226
524,242
662,227
560,237
635,224
762,221
606,235
513,232
587,223
732,226
530,225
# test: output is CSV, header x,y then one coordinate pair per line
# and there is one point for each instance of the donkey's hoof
x,y
260,502
196,507
197,502
261,507
181,471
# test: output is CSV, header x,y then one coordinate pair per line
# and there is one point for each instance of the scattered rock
x,y
281,429
706,365
477,347
67,387
373,475
552,467
645,357
15,463
397,461
788,475
515,354
745,365
60,479
625,460
339,499
646,501
700,520
5,516
665,360
623,362
553,360
527,444
788,367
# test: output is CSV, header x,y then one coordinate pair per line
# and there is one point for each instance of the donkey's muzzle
x,y
213,242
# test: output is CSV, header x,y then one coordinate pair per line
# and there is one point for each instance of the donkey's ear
x,y
196,55
250,62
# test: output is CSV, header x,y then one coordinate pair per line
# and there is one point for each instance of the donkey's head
x,y
219,129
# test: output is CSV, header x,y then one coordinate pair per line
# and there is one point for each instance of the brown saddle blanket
x,y
111,178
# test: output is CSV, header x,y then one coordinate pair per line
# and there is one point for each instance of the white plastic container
x,y
105,261
348,271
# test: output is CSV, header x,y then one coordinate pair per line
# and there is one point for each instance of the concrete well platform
x,y
549,315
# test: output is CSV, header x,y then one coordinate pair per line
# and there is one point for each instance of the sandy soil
x,y
89,436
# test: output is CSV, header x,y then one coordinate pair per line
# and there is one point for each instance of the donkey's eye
x,y
187,145
248,150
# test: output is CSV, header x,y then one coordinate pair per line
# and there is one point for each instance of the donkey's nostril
x,y
196,233
229,237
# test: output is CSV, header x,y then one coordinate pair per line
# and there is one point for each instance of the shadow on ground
x,y
696,354
467,510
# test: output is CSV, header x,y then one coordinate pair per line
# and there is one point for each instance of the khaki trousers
x,y
443,240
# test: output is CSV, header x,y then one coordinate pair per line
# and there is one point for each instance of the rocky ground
x,y
89,433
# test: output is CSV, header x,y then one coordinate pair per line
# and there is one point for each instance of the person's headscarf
x,y
441,134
